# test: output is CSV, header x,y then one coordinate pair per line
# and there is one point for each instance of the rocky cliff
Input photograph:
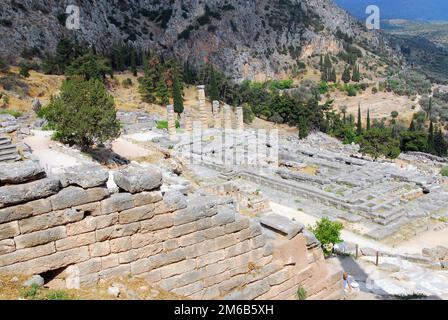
x,y
247,39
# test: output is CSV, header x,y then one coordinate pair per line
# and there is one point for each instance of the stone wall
x,y
71,228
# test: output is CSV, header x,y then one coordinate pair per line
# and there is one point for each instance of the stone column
x,y
227,117
216,115
187,122
171,119
239,118
202,107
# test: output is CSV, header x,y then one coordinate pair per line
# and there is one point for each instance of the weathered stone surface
x,y
117,202
25,210
172,201
7,246
75,241
49,220
198,208
99,249
92,223
75,196
136,214
9,230
311,240
282,224
34,280
224,216
20,172
120,244
136,178
27,254
144,198
40,237
158,222
17,194
117,231
84,176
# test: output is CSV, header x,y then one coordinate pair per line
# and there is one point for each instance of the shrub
x,y
163,124
24,69
327,231
301,293
58,295
83,114
127,83
248,114
14,113
32,292
444,171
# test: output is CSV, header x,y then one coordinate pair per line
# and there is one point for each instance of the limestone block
x,y
117,202
211,258
99,249
75,196
17,194
141,266
215,232
239,224
120,244
27,254
238,249
9,230
216,268
190,289
198,208
191,239
145,198
40,237
20,172
25,210
84,176
184,229
250,292
181,280
90,266
232,283
117,231
225,241
136,214
279,277
173,200
224,216
258,242
75,241
177,268
91,224
282,224
119,271
170,245
110,261
49,220
7,246
135,178
139,240
217,279
158,222
200,249
90,209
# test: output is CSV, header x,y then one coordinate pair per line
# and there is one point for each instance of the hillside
x,y
246,39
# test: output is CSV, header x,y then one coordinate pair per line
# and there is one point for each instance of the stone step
x,y
11,157
8,151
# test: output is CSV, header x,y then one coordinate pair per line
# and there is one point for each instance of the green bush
x,y
327,231
444,171
127,83
14,113
163,124
32,292
58,295
301,293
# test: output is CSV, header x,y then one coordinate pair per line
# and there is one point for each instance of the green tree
x,y
213,90
83,114
133,63
413,141
178,100
368,125
248,114
346,75
379,142
431,141
147,83
356,77
304,130
24,69
327,231
162,93
359,123
89,66
440,144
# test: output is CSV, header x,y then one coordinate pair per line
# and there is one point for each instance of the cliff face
x,y
247,39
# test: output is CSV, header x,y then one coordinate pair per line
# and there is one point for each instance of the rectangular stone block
x,y
40,237
139,240
232,283
117,231
239,224
258,242
75,241
27,254
90,209
170,245
184,229
149,251
238,249
177,268
191,239
89,224
25,210
110,261
141,266
128,256
158,222
181,280
7,246
120,244
90,266
211,258
199,249
120,271
250,292
190,289
9,230
223,217
215,232
216,279
117,202
225,241
144,198
99,249
75,196
48,220
22,193
216,268
136,214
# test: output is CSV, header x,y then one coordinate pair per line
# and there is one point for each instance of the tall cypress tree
x,y
440,144
356,77
178,100
333,75
213,90
346,75
162,91
133,63
359,124
412,126
147,87
368,126
431,145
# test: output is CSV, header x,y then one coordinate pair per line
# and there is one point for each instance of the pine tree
x,y
147,88
431,144
133,63
213,90
356,77
162,92
321,63
412,126
333,75
368,126
346,75
178,100
440,144
359,124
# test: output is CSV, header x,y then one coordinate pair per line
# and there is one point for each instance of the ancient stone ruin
x,y
73,230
